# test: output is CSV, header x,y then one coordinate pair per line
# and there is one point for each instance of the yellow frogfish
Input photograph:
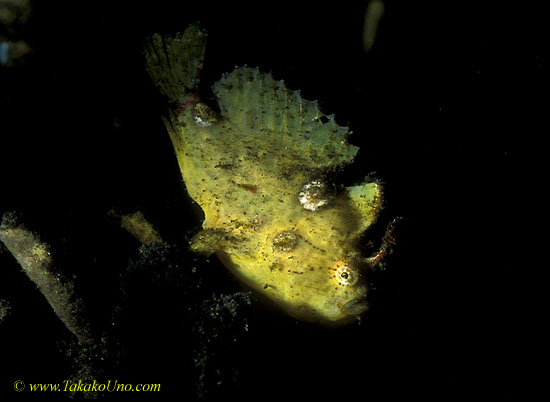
x,y
257,163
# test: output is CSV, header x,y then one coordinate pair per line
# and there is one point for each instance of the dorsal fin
x,y
256,104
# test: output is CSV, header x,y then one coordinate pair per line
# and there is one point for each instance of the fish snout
x,y
355,306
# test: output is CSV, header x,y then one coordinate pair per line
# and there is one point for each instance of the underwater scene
x,y
206,201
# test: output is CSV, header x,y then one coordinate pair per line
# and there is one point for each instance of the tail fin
x,y
174,64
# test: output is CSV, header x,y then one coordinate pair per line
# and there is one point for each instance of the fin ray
x,y
256,104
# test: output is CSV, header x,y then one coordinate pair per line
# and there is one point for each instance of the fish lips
x,y
355,306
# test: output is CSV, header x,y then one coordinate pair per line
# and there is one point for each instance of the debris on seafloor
x,y
139,227
11,52
35,258
14,15
187,315
208,322
223,323
373,15
4,309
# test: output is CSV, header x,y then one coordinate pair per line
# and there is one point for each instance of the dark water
x,y
445,109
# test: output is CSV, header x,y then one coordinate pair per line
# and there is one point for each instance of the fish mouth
x,y
355,306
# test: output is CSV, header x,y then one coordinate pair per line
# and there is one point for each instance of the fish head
x,y
319,281
307,285
321,275
307,262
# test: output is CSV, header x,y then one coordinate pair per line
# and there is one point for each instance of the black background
x,y
445,109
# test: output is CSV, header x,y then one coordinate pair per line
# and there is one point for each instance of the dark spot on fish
x,y
250,187
227,166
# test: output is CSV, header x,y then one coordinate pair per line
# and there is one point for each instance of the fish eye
x,y
343,274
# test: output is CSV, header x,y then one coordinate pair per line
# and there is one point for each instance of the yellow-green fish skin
x,y
257,171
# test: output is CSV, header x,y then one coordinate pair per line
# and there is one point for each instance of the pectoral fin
x,y
366,199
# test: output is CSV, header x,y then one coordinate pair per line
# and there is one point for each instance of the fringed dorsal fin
x,y
257,105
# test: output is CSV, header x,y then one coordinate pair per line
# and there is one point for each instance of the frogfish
x,y
257,160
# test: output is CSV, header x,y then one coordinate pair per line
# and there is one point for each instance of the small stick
x,y
139,227
35,259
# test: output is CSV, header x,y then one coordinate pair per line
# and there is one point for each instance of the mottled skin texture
x,y
246,168
248,201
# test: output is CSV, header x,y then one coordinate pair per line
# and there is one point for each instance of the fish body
x,y
258,168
